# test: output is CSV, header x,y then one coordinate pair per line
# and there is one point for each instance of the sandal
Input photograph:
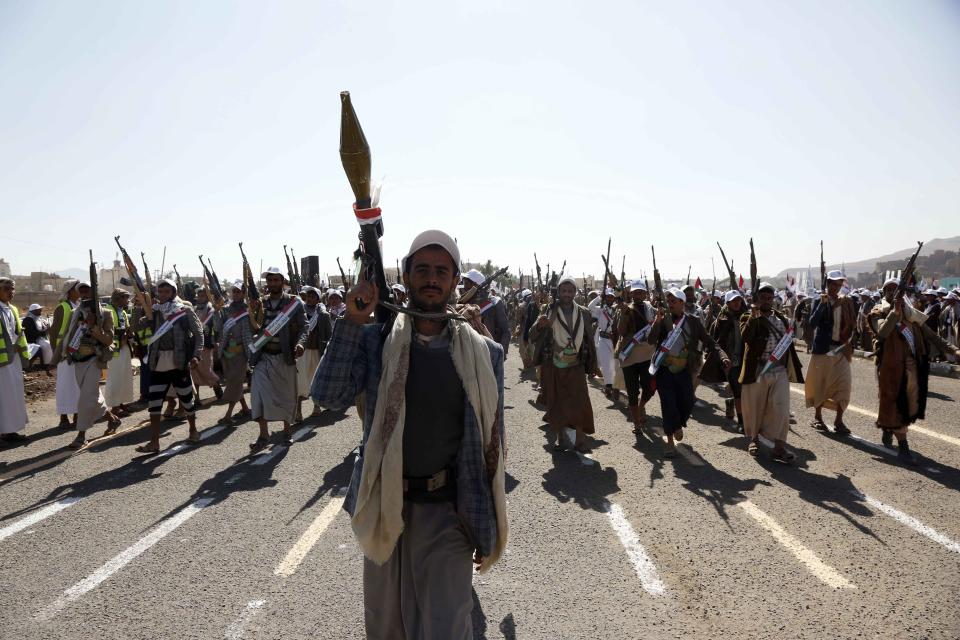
x,y
784,456
194,438
147,450
77,444
819,425
678,435
841,429
753,448
112,427
260,444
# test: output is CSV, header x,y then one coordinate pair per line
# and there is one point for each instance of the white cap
x,y
334,292
434,236
836,274
567,280
525,293
273,271
35,307
890,281
608,291
766,285
167,281
731,295
399,287
474,276
238,285
638,284
308,289
953,296
676,293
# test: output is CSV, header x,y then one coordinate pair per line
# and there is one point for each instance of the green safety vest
x,y
67,312
20,337
116,324
144,332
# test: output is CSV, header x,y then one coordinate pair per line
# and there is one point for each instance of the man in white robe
x,y
13,347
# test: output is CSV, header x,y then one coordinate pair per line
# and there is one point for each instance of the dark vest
x,y
433,426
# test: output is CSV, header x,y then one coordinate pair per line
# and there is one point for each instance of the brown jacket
x,y
755,332
693,332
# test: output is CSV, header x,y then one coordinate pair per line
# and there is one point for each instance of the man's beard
x,y
417,303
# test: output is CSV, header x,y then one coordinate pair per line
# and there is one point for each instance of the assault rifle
x,y
754,283
291,276
343,276
216,279
623,273
212,282
176,275
733,276
539,275
399,279
249,283
823,271
296,270
355,157
606,269
657,282
146,273
688,273
94,288
482,287
907,274
131,268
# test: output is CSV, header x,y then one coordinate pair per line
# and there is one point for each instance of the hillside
x,y
868,265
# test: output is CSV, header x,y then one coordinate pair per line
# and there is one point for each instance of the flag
x,y
740,284
791,284
698,284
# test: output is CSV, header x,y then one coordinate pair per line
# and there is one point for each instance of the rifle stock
x,y
130,266
146,273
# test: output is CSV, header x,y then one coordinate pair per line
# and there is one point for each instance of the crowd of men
x,y
743,341
426,497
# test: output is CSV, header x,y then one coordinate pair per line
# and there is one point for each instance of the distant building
x,y
110,278
4,268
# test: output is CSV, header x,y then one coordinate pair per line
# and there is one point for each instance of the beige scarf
x,y
378,516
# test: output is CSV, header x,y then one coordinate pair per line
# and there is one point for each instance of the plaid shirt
x,y
352,365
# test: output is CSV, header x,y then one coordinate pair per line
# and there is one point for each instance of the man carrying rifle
x,y
900,336
427,492
677,335
175,347
493,312
633,325
603,309
67,391
319,328
770,364
273,355
528,311
829,379
118,392
203,374
234,332
566,354
88,346
726,331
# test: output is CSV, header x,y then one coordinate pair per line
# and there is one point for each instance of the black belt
x,y
273,350
606,334
432,483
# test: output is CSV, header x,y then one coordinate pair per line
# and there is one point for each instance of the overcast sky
x,y
515,126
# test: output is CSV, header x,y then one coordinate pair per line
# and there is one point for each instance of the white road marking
x,y
36,516
824,572
642,564
914,427
177,448
122,559
236,630
299,551
911,522
266,457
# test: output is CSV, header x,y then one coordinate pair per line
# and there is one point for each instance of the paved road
x,y
206,543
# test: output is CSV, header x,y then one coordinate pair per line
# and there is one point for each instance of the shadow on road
x,y
587,485
507,628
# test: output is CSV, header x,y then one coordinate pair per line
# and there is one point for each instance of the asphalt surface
x,y
208,543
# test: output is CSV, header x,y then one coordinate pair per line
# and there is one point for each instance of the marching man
x,y
13,353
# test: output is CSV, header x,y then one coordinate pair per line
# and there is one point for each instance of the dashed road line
x,y
37,516
288,566
267,456
824,572
910,522
122,559
239,626
177,448
642,564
